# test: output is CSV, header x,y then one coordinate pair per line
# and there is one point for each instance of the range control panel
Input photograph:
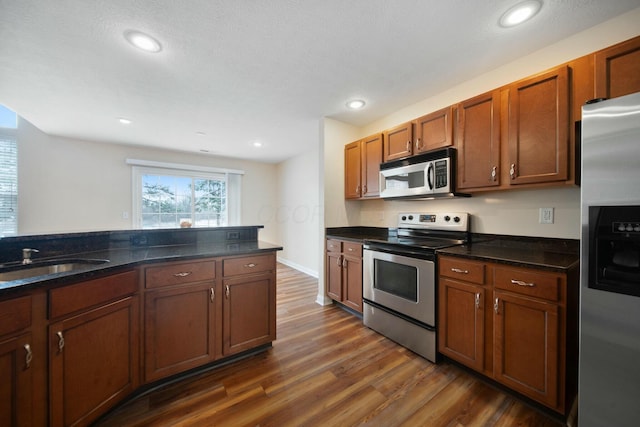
x,y
626,227
455,221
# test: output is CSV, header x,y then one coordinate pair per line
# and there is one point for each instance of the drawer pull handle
x,y
226,291
458,270
212,294
182,274
477,300
521,283
29,356
250,265
495,306
60,341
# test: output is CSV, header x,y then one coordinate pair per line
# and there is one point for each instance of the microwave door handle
x,y
430,175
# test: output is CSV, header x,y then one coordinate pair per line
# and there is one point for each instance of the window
x,y
184,196
8,173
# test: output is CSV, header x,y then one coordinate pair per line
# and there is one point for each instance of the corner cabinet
x,y
515,325
344,272
618,69
362,168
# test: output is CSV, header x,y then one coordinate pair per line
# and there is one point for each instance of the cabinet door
x,y
435,130
352,171
352,282
618,69
15,386
179,329
478,141
371,159
334,275
526,344
539,128
398,142
249,317
461,322
93,362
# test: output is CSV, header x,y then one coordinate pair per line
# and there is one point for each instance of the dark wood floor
x,y
327,369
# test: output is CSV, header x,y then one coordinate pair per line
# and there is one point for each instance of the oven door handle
x,y
404,252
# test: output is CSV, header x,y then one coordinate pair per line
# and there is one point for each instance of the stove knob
x,y
621,227
629,227
636,228
410,217
456,219
404,217
447,218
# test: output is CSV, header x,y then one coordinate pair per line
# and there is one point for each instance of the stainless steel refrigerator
x,y
609,359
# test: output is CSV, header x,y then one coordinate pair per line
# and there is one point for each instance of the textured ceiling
x,y
242,71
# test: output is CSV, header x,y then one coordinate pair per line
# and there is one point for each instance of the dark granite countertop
x,y
539,252
193,245
357,234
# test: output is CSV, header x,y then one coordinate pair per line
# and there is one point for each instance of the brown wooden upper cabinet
x,y
398,142
538,125
618,69
362,168
435,130
478,141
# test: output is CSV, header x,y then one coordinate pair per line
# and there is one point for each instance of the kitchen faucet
x,y
26,255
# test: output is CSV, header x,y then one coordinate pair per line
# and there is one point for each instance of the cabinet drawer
x,y
80,296
529,282
248,265
179,272
334,245
15,314
352,248
462,269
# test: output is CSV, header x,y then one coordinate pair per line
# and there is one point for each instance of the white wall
x,y
68,185
511,212
297,211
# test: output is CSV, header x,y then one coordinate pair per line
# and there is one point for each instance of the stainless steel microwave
x,y
425,176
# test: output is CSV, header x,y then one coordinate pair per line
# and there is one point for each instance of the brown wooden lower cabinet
x,y
344,272
511,324
16,383
93,361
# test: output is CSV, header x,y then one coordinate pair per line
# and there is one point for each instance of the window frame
x,y
231,178
11,134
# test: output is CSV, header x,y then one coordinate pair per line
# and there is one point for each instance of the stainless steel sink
x,y
44,268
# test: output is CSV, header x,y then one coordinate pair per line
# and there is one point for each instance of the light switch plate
x,y
546,215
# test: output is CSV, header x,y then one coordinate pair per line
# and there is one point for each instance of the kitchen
x,y
287,208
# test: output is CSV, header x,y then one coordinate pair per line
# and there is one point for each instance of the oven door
x,y
402,283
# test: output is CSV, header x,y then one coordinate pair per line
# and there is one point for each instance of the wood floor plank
x,y
326,369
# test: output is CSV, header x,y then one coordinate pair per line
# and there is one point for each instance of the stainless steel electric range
x,y
399,277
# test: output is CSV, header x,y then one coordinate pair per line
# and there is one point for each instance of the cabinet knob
x,y
477,300
494,173
212,294
250,265
60,341
28,357
226,291
496,305
418,144
512,171
408,146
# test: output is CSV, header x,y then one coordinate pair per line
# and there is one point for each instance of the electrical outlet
x,y
546,215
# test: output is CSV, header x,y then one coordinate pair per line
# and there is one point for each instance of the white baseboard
x,y
323,300
305,270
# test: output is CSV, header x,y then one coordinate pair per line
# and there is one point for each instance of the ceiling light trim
x,y
356,104
520,13
143,41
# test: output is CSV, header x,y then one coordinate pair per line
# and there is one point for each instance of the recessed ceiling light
x,y
257,144
143,41
124,121
355,104
520,13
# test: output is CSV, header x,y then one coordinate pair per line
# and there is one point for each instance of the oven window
x,y
397,279
405,180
